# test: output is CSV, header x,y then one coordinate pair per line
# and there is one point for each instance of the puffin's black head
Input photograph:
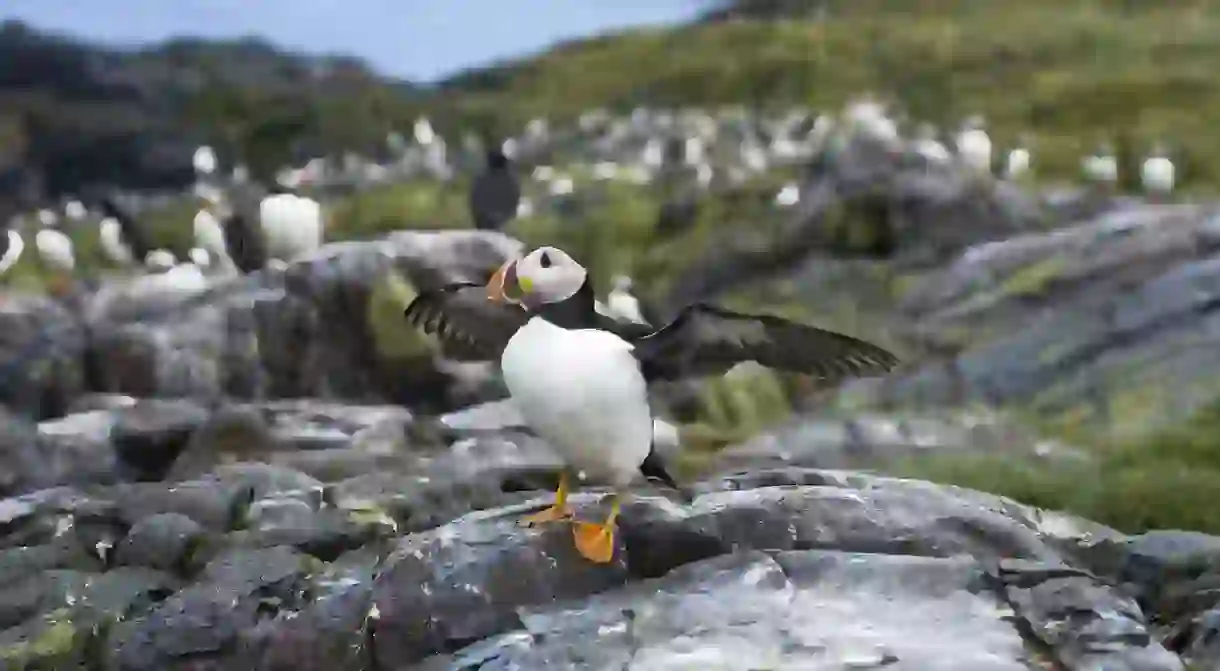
x,y
496,160
545,275
110,208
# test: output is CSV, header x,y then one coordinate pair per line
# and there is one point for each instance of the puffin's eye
x,y
544,260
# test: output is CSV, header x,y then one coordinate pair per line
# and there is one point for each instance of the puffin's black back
x,y
495,195
244,243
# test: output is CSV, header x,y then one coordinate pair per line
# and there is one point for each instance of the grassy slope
x,y
1068,73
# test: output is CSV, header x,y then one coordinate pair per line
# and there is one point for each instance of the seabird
x,y
11,246
291,225
160,260
110,238
620,304
974,145
130,233
1157,172
580,379
210,237
495,195
1018,162
200,257
55,251
1101,166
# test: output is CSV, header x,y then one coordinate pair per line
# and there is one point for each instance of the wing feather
x,y
468,325
707,340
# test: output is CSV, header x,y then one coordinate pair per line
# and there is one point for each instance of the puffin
x,y
291,224
580,378
122,237
11,247
495,195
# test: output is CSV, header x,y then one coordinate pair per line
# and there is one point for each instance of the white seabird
x,y
291,225
11,247
210,236
160,260
1157,172
580,379
620,304
1101,166
974,145
1018,162
110,239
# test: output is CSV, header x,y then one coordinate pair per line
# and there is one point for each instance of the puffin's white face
x,y
545,275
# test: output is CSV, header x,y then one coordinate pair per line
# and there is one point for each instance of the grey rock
x,y
303,332
165,541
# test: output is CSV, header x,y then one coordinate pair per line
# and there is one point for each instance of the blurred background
x,y
1017,197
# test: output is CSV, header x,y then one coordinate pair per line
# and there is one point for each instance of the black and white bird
x,y
580,379
11,247
122,238
496,194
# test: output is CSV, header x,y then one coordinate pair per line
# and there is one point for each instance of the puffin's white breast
x,y
582,391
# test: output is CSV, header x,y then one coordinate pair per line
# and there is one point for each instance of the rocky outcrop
x,y
326,536
1110,321
327,327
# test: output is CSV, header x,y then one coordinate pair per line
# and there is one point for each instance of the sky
x,y
419,40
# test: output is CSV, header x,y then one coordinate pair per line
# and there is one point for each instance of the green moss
x,y
1166,480
1034,279
55,639
393,337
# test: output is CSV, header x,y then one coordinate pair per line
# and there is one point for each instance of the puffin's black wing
x,y
467,324
706,340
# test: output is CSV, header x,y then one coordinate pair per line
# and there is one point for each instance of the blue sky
x,y
416,39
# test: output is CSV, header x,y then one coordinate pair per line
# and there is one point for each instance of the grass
x,y
1166,481
1067,75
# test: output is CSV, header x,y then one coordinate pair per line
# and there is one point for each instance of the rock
x,y
41,356
303,332
1050,321
865,200
75,450
874,441
1084,620
150,434
73,633
207,620
789,610
462,582
333,631
166,541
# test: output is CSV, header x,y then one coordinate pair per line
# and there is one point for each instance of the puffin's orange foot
x,y
594,541
555,513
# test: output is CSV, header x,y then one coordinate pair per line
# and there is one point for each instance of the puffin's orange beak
x,y
503,278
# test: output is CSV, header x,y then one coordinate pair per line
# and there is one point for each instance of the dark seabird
x,y
495,195
580,379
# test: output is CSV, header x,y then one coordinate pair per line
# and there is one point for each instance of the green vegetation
x,y
1069,75
1166,481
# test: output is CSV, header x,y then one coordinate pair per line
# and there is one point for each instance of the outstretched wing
x,y
467,324
707,340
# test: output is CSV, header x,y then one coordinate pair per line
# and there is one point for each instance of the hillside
x,y
1131,71
1066,75
78,114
